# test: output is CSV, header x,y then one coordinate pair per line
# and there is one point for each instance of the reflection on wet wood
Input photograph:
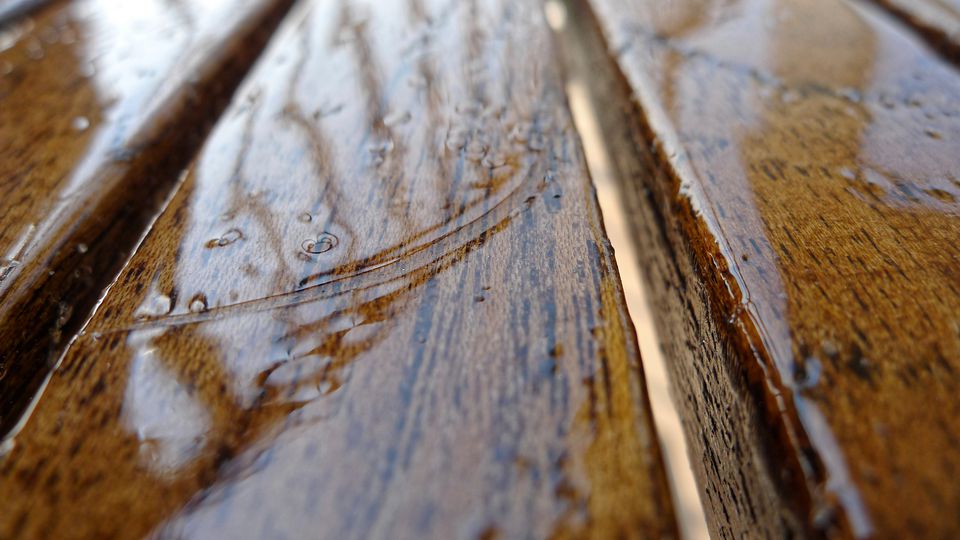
x,y
101,108
796,202
381,304
937,20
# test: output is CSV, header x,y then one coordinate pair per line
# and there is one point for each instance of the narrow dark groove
x,y
49,304
648,184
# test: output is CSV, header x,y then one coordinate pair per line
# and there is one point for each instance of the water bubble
x,y
82,248
379,151
227,238
321,244
305,217
160,304
537,142
198,303
80,123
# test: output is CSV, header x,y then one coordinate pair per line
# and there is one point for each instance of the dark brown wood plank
x,y
101,108
792,169
381,305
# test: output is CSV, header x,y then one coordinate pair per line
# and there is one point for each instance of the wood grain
x,y
792,170
380,305
937,20
101,108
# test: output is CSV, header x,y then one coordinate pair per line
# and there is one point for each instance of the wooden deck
x,y
380,303
336,269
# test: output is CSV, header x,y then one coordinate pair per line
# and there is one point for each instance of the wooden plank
x,y
937,20
791,167
101,108
381,305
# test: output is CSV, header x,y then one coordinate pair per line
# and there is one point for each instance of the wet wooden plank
x,y
101,108
937,20
381,305
792,170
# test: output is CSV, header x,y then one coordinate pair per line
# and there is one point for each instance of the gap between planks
x,y
689,509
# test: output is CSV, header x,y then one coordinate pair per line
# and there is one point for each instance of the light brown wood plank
x,y
381,305
792,170
102,106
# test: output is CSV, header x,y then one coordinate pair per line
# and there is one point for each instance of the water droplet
x,y
322,244
379,151
227,238
305,217
479,298
160,304
82,248
198,303
537,142
397,118
80,123
933,134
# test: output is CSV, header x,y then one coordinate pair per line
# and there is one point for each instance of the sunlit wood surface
x,y
101,107
795,176
379,305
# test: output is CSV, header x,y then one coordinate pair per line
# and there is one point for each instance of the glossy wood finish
x,y
101,108
937,20
380,305
795,196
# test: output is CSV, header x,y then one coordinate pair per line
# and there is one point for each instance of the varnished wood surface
x,y
792,167
380,305
101,107
937,20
